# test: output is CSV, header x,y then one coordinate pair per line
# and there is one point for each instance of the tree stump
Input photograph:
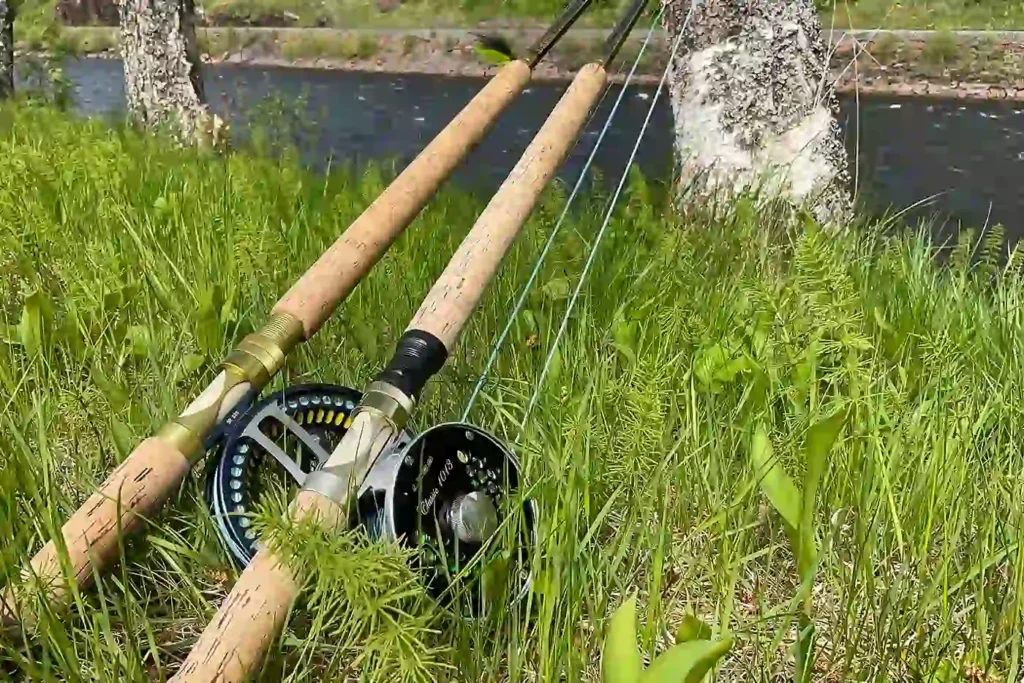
x,y
6,49
162,77
753,104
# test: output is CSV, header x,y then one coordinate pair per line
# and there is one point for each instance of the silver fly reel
x,y
449,492
276,441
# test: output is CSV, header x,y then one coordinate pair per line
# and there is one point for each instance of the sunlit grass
x,y
128,267
926,14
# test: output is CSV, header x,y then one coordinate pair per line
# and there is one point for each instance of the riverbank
x,y
967,65
406,14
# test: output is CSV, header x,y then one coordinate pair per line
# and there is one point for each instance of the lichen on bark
x,y
753,105
163,83
6,49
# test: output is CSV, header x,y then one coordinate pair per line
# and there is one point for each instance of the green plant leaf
x,y
141,338
193,362
624,334
782,493
804,651
30,329
529,321
555,369
124,439
228,314
491,56
208,330
692,628
620,657
160,292
364,337
115,395
818,444
687,662
493,49
557,288
709,361
119,298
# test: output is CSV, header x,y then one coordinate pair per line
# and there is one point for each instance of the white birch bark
x,y
163,84
6,49
753,106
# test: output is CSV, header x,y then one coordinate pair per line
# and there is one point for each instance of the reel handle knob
x,y
473,517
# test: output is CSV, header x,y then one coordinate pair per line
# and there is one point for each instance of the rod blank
x,y
317,293
455,295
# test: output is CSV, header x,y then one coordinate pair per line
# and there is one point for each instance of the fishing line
x,y
606,222
521,300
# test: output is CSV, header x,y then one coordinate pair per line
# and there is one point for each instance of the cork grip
x,y
319,291
455,294
237,639
136,489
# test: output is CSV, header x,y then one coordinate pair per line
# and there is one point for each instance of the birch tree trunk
x,y
6,49
161,67
753,104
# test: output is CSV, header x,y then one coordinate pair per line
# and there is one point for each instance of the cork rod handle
x,y
250,617
236,640
137,488
457,292
317,293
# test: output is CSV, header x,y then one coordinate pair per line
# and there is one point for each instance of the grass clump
x,y
129,266
333,45
941,50
410,14
924,14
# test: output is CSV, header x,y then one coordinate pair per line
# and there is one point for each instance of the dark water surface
x,y
970,155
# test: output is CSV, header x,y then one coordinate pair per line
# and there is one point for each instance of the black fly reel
x,y
446,492
450,493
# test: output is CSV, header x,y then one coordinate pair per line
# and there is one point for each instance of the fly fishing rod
x,y
143,482
453,477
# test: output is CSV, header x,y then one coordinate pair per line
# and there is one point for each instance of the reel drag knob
x,y
473,518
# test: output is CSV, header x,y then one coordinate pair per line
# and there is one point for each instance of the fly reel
x,y
446,492
450,493
276,441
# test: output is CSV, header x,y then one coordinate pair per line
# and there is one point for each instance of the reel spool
x,y
444,492
447,493
279,439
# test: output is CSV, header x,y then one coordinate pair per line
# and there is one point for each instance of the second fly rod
x,y
141,484
459,472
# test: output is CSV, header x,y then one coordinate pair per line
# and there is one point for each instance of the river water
x,y
963,160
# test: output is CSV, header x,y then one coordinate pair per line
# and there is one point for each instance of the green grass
x,y
36,16
128,267
925,14
412,13
921,14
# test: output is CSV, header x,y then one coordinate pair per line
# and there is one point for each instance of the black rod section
x,y
547,41
618,37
